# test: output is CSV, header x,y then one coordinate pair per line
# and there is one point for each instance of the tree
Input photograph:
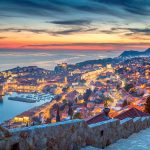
x,y
125,103
147,105
58,115
87,94
51,115
70,111
128,87
65,89
118,87
76,100
82,81
64,101
58,98
77,115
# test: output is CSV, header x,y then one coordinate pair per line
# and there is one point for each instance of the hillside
x,y
132,53
125,54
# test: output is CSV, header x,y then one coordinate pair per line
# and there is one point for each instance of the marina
x,y
21,99
31,98
11,108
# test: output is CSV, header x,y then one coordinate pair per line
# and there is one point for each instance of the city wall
x,y
72,135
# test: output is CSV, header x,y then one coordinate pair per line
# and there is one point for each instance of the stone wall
x,y
72,135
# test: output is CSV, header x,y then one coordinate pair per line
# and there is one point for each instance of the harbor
x,y
31,98
11,108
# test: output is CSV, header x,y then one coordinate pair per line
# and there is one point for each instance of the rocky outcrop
x,y
72,135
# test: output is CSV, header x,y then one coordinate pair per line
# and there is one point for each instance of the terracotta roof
x,y
98,118
132,113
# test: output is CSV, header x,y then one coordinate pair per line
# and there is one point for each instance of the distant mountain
x,y
148,51
125,54
133,53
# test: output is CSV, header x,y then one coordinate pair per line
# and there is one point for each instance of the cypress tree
x,y
70,111
58,115
147,105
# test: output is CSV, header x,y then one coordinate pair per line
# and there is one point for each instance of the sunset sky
x,y
75,24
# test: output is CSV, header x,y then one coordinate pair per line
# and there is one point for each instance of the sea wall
x,y
72,135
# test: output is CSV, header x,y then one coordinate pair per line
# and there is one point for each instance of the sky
x,y
75,24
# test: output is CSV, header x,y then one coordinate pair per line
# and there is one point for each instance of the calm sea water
x,y
9,108
48,59
44,59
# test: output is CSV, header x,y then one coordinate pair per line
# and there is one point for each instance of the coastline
x,y
78,65
17,108
49,59
34,111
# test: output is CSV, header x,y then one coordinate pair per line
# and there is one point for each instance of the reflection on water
x,y
9,108
1,99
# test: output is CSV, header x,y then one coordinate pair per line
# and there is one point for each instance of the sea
x,y
49,59
44,59
10,108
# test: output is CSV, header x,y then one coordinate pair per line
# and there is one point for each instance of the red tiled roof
x,y
132,113
98,118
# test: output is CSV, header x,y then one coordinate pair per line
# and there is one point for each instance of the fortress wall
x,y
72,135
